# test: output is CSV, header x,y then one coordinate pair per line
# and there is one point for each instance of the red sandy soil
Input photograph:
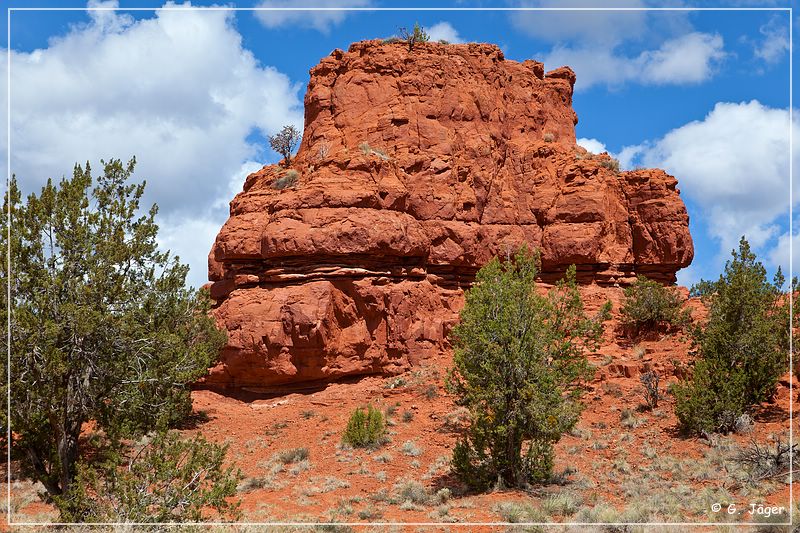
x,y
608,459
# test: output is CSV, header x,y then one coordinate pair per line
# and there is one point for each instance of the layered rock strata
x,y
416,167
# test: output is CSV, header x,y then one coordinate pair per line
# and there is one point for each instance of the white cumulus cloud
x,y
605,28
177,90
734,166
614,48
593,145
320,20
687,59
444,31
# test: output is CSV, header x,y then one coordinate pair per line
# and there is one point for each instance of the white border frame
x,y
9,10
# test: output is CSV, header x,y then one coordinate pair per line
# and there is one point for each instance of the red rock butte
x,y
416,167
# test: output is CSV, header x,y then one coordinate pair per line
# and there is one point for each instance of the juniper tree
x,y
649,305
416,35
518,367
741,350
103,328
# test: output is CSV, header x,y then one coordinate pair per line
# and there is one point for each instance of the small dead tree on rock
x,y
284,142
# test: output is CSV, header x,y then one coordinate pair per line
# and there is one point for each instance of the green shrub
x,y
518,364
365,429
648,306
416,35
289,179
169,479
740,351
104,327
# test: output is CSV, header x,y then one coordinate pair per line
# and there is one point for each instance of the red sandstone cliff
x,y
416,167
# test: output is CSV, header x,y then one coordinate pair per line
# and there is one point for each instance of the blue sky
x,y
703,94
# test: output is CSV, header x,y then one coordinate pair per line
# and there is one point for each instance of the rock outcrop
x,y
415,168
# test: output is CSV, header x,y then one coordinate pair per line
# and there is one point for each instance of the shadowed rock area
x,y
415,169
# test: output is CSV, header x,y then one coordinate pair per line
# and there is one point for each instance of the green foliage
x,y
167,480
417,35
742,349
649,305
365,429
518,365
102,327
284,142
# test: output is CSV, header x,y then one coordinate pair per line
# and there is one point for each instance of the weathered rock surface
x,y
415,168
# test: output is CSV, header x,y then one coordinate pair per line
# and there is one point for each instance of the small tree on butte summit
x,y
417,35
284,142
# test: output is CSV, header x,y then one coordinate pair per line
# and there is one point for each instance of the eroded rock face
x,y
416,168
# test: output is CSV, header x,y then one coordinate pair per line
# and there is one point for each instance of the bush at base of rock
x,y
649,305
365,429
518,366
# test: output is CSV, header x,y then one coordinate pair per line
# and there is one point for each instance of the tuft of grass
x,y
254,483
367,150
411,448
514,512
639,351
611,164
383,458
548,137
411,491
629,420
275,429
300,466
289,179
562,504
456,418
369,513
293,455
329,484
430,392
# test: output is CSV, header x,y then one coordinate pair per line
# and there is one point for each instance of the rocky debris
x,y
415,169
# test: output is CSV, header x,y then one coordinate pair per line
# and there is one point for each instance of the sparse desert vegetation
x,y
451,326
